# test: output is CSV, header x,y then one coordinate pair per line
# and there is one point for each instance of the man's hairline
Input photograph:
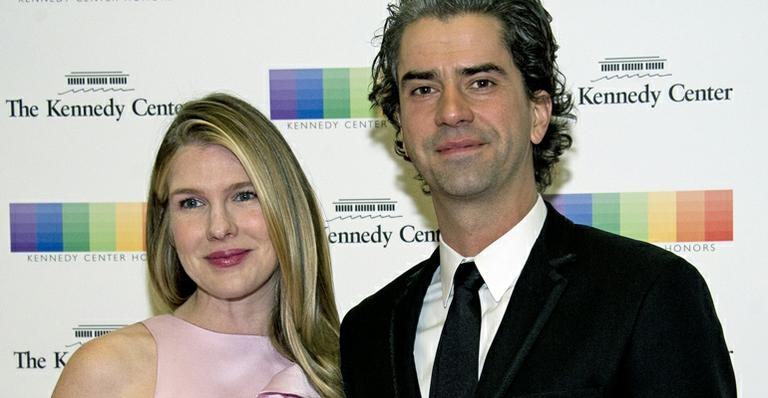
x,y
502,36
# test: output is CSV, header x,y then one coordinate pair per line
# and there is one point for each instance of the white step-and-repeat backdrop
x,y
668,148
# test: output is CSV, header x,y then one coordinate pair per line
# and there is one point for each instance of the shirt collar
x,y
502,261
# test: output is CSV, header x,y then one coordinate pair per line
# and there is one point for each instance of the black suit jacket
x,y
592,315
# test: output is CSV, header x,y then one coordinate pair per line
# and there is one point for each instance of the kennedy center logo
x,y
646,81
91,95
375,221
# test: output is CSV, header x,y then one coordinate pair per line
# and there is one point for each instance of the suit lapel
x,y
535,295
405,318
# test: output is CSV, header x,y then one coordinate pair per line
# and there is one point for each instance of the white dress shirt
x,y
500,265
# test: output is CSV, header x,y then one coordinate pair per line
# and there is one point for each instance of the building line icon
x,y
96,81
632,67
349,209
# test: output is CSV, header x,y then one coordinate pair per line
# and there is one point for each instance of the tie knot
x,y
467,277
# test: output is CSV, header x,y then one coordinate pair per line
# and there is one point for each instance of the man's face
x,y
466,119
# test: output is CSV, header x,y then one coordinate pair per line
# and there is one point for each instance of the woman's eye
x,y
190,203
245,196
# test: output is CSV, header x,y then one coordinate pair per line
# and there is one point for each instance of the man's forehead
x,y
457,28
452,44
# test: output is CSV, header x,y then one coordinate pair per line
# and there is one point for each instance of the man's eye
x,y
482,83
424,90
190,203
245,196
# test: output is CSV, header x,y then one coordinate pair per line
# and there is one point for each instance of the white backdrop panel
x,y
170,51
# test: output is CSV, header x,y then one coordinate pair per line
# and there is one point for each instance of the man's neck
x,y
470,226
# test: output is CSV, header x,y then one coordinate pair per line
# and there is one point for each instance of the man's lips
x,y
227,258
458,146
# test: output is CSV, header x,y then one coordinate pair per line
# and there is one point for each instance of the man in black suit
x,y
517,301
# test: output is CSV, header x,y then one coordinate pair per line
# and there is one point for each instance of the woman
x,y
236,248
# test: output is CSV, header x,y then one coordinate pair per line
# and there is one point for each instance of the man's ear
x,y
541,107
399,133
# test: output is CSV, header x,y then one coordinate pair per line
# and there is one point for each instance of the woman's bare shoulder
x,y
121,363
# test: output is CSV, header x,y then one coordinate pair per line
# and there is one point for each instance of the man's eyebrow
x,y
468,71
487,67
418,75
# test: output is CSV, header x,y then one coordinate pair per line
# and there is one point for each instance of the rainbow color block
x,y
333,93
77,227
686,216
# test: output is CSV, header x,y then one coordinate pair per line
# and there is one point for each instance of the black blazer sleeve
x,y
677,348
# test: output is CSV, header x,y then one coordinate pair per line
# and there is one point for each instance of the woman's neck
x,y
250,315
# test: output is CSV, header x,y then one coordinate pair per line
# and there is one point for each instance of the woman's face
x,y
217,225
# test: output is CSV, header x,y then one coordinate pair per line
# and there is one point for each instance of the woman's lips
x,y
227,258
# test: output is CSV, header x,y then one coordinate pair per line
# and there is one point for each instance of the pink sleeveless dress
x,y
195,362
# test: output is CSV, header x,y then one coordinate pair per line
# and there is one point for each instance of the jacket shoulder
x,y
615,259
593,242
384,298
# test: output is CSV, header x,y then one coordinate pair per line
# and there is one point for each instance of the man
x,y
517,300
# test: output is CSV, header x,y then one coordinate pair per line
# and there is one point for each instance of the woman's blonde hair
x,y
305,323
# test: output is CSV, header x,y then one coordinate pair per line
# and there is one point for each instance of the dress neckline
x,y
199,328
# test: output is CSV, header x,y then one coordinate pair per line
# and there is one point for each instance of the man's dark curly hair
x,y
530,41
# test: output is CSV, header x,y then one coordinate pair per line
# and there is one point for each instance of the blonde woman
x,y
237,251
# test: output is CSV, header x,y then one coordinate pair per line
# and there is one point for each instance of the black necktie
x,y
455,371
